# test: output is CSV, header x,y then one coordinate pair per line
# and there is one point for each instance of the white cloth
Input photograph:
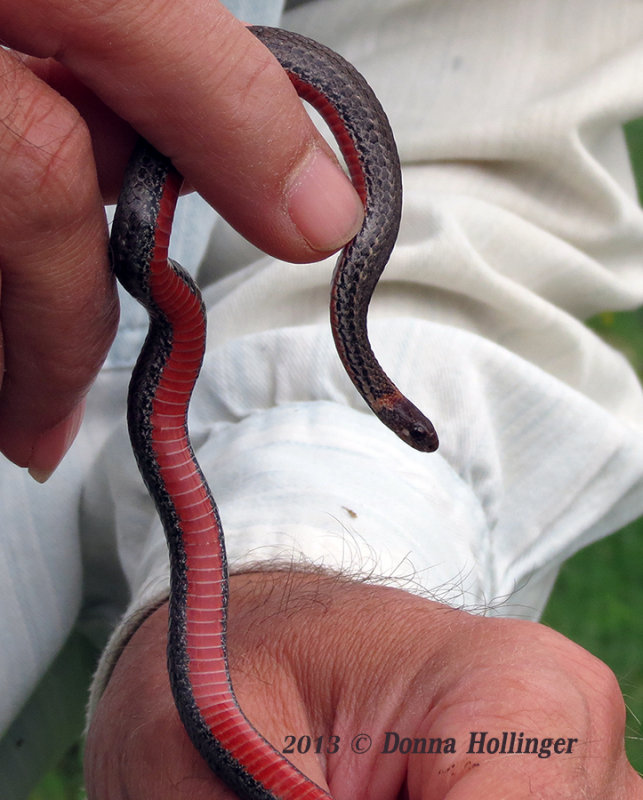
x,y
260,12
520,220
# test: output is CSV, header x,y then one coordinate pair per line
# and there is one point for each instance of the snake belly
x,y
167,369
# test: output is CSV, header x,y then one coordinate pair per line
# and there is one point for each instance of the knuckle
x,y
43,140
259,69
253,84
608,699
583,680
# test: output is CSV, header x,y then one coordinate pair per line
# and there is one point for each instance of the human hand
x,y
194,82
313,655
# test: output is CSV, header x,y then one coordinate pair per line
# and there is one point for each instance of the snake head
x,y
407,421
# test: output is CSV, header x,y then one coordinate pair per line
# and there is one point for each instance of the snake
x,y
168,366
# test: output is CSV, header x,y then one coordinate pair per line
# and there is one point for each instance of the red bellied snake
x,y
167,369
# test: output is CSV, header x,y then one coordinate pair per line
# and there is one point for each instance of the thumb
x,y
195,82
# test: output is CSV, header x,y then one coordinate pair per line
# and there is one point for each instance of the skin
x,y
93,75
202,89
302,665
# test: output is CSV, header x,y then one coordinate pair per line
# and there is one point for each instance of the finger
x,y
530,777
112,138
207,93
548,722
57,298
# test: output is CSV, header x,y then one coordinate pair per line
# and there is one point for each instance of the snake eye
x,y
418,433
422,438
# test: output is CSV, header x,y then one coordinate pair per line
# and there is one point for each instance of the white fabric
x,y
261,12
520,220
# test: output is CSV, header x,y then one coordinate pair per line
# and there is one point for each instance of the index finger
x,y
194,81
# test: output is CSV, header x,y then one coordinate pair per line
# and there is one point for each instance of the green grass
x,y
597,603
65,782
598,598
